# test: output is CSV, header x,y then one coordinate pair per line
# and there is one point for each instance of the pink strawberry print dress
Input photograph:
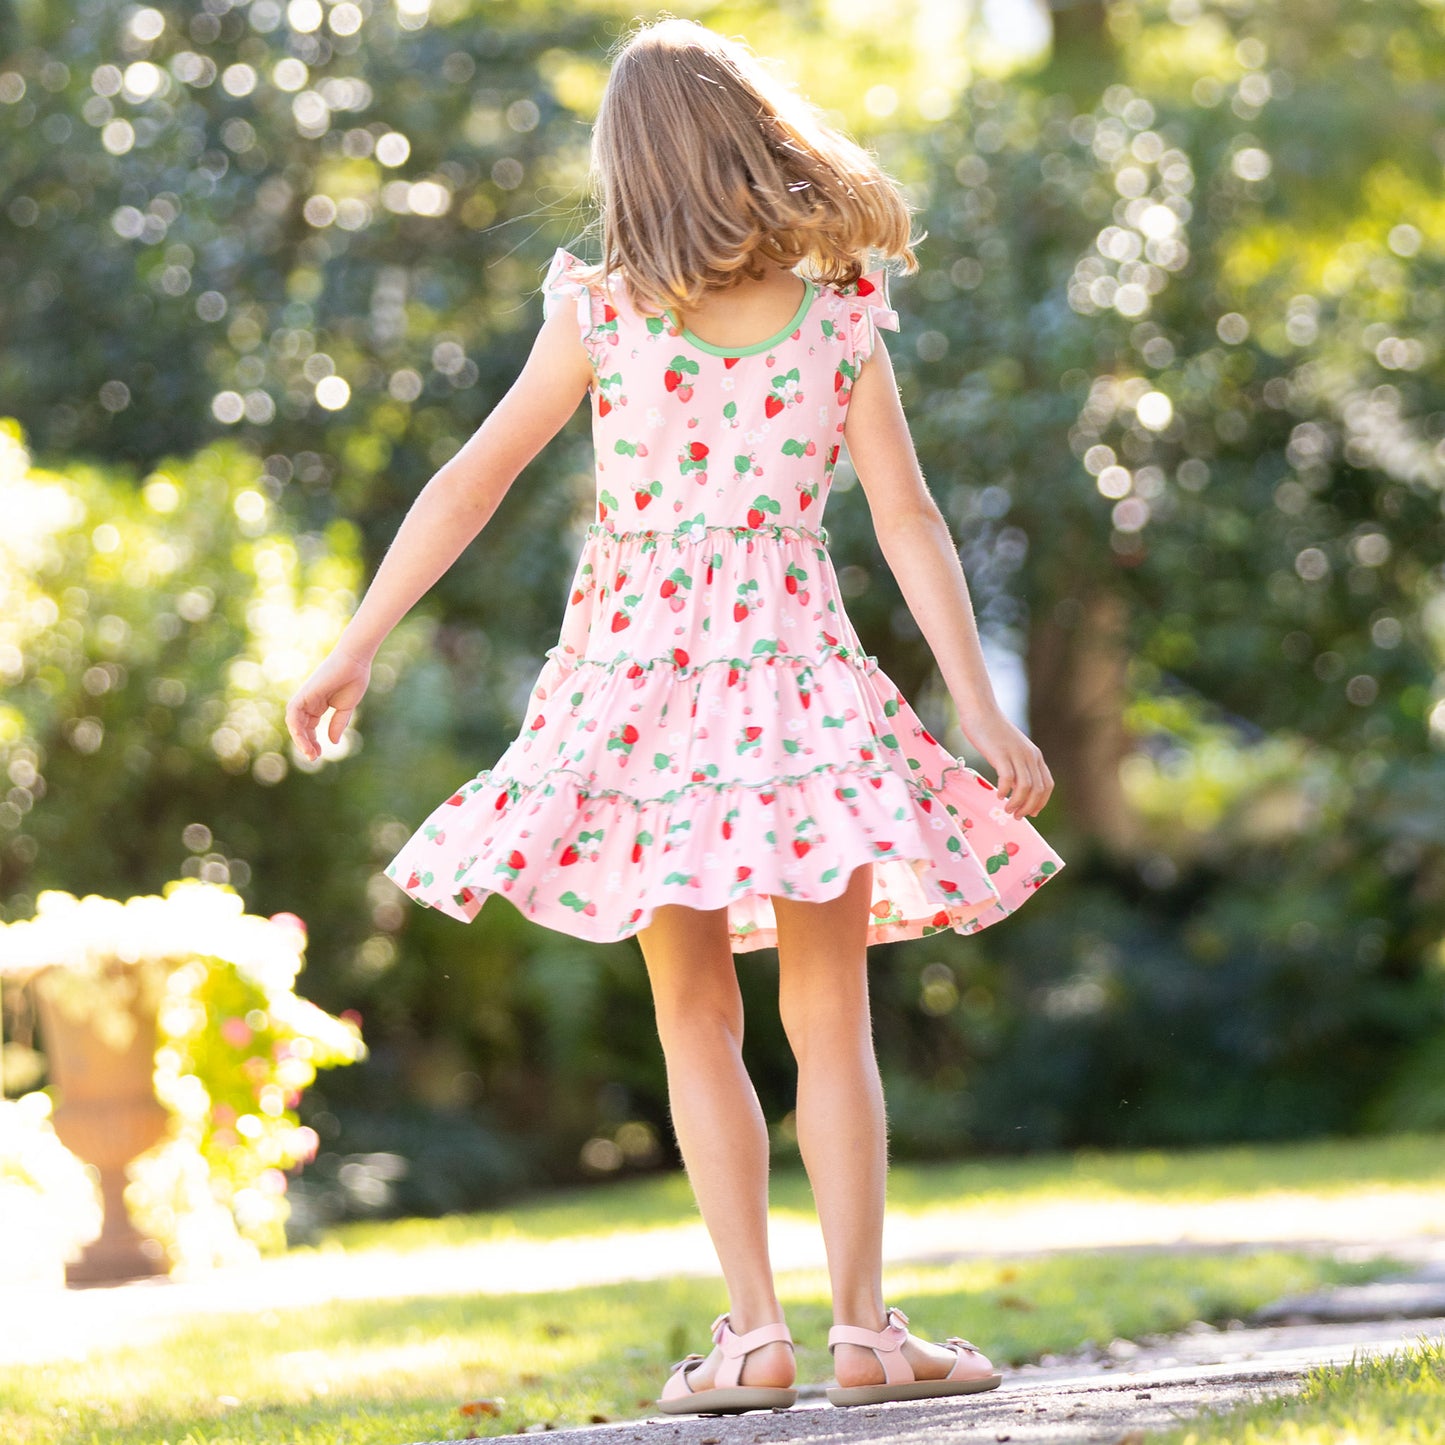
x,y
708,730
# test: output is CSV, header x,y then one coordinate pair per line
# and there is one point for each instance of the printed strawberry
x,y
727,822
793,577
570,855
639,843
622,617
643,495
456,800
731,361
604,501
749,738
801,846
676,578
745,598
680,657
784,391
762,505
675,378
622,738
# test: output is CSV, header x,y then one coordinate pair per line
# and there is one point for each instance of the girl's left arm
x,y
447,515
918,546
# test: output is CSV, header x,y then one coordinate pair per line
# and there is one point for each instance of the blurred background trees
x,y
1173,361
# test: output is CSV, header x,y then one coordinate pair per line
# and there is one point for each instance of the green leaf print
x,y
625,448
656,325
890,706
829,876
794,448
572,901
730,411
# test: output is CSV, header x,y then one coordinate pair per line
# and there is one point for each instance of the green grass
x,y
1395,1399
390,1372
384,1373
1319,1167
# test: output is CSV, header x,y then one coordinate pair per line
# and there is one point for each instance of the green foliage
x,y
1176,336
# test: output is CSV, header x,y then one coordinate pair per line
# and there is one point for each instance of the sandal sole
x,y
729,1400
916,1390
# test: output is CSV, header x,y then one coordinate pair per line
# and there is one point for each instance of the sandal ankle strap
x,y
736,1347
886,1343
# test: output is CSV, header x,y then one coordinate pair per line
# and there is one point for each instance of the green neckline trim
x,y
810,294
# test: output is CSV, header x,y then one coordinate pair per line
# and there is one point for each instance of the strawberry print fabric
x,y
708,730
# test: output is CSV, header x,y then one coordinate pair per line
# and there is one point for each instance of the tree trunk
x,y
1077,662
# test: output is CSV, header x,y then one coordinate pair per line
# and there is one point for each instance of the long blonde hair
x,y
703,163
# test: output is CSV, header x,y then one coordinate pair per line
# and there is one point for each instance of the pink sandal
x,y
971,1370
727,1395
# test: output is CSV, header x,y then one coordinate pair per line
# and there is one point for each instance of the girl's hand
x,y
1023,776
338,682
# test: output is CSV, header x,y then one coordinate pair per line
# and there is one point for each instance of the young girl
x,y
710,761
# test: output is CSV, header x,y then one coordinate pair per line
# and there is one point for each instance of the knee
x,y
699,1020
825,1019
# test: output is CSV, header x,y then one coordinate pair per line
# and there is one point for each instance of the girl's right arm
x,y
448,513
920,551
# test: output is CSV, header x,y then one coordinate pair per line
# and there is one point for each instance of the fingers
x,y
1024,781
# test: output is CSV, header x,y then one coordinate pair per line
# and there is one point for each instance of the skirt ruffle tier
x,y
748,775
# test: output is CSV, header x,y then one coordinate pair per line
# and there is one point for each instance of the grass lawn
x,y
1396,1399
397,1371
1318,1167
386,1373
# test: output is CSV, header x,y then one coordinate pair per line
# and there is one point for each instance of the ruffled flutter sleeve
x,y
564,286
867,311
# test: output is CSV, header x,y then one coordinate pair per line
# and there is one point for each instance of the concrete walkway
x,y
1111,1395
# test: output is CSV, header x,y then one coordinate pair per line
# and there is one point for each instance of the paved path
x,y
1070,1403
46,1324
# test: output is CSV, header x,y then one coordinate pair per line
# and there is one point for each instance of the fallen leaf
x,y
474,1408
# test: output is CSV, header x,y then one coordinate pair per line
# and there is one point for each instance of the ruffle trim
x,y
565,283
930,872
868,310
698,532
517,791
864,662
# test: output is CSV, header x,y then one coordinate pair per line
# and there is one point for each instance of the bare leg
x,y
842,1120
717,1119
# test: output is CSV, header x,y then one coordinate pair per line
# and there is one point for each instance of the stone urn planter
x,y
178,1050
101,1044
